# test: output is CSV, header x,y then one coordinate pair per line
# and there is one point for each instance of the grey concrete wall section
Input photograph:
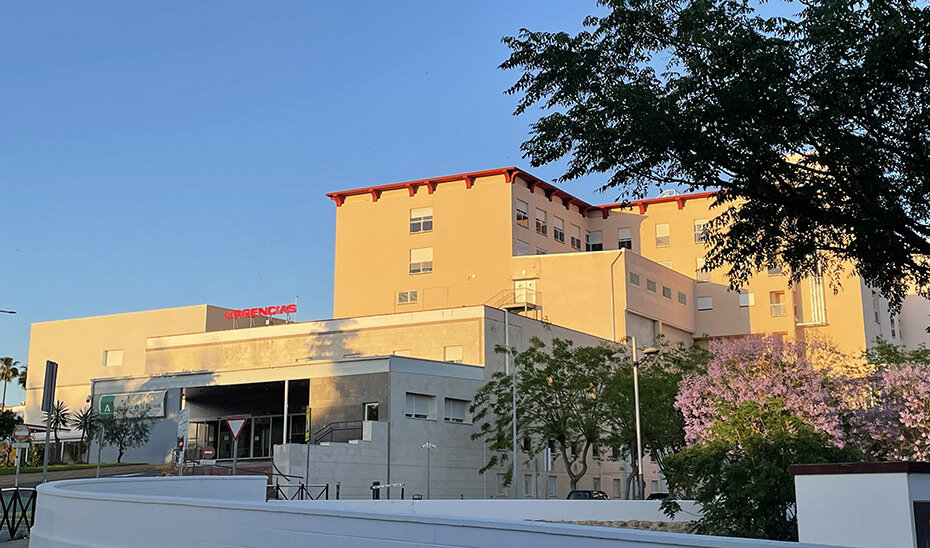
x,y
162,441
337,399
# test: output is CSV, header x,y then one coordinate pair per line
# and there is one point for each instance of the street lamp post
x,y
640,481
428,445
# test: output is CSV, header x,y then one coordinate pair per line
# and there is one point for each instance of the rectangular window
x,y
747,299
777,300
775,271
576,237
618,489
705,303
419,406
682,298
699,234
596,484
112,358
456,410
541,222
501,484
700,274
662,237
667,292
651,285
453,353
421,220
540,251
421,260
370,411
558,229
625,238
551,486
527,485
523,248
593,241
875,307
893,331
596,451
407,297
634,279
523,218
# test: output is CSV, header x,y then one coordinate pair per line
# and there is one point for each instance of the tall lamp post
x,y
428,445
640,481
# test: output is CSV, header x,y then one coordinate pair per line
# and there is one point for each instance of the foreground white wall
x,y
231,511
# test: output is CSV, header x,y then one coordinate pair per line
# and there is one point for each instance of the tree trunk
x,y
119,458
3,405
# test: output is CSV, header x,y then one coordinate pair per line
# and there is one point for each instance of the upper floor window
x,y
523,248
541,251
455,410
421,260
634,279
420,406
662,235
625,238
700,274
576,237
523,216
593,241
421,220
775,271
777,300
407,297
558,229
747,299
453,353
541,222
705,303
651,285
112,358
699,231
682,298
667,292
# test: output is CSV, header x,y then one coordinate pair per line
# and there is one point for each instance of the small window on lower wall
x,y
455,410
453,354
651,285
705,303
370,411
682,298
407,297
667,292
634,279
420,406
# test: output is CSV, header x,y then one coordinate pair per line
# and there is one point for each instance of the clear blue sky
x,y
176,153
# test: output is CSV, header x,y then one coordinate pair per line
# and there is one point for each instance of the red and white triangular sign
x,y
235,427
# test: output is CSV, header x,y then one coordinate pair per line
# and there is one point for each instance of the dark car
x,y
587,495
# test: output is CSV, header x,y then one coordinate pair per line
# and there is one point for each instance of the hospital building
x,y
432,275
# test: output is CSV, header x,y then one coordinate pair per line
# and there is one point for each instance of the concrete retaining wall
x,y
231,511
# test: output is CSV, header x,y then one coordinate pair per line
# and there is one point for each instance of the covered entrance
x,y
263,407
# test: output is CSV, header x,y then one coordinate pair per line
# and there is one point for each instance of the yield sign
x,y
235,427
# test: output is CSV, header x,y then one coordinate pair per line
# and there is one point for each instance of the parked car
x,y
587,495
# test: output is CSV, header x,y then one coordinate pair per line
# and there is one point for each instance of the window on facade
x,y
662,235
421,260
453,353
576,237
705,303
456,410
523,216
523,248
682,298
747,299
596,484
893,331
596,451
370,411
112,358
407,297
551,485
699,234
667,292
421,219
527,485
634,279
651,285
615,453
699,273
541,222
558,229
419,406
625,238
876,309
593,241
618,489
540,251
777,301
775,271
501,484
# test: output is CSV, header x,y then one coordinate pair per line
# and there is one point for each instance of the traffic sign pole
x,y
235,428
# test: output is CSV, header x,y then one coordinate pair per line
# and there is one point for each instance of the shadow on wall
x,y
336,344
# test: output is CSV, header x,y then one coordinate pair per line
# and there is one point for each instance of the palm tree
x,y
86,420
59,418
22,376
8,372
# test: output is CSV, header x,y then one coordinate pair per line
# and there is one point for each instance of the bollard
x,y
337,490
375,492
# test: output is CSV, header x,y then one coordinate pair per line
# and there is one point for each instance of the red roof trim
x,y
509,174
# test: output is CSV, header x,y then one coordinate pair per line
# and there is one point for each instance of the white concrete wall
x,y
859,510
214,511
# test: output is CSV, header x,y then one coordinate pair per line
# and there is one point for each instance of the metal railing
x,y
341,431
19,510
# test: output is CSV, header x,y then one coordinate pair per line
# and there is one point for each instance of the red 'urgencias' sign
x,y
267,311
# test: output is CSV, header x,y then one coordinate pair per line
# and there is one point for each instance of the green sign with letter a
x,y
106,406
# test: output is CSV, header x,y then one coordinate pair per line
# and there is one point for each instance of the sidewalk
x,y
35,478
